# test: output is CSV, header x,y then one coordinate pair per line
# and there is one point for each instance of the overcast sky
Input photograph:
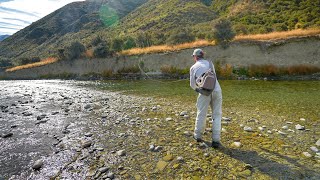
x,y
17,14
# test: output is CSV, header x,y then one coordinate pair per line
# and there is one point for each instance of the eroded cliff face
x,y
280,53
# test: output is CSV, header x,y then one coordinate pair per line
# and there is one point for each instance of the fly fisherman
x,y
213,99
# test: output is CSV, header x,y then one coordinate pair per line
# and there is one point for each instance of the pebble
x,y
247,128
180,158
87,106
37,165
88,134
285,127
14,126
169,119
183,113
241,125
206,154
121,153
104,169
99,149
302,119
187,133
288,122
299,127
282,133
237,144
314,149
226,118
318,142
261,128
86,144
306,154
270,132
151,147
222,130
110,175
158,148
6,135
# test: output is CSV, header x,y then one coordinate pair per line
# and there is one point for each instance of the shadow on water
x,y
272,168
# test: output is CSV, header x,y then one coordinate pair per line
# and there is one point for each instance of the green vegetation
x,y
126,24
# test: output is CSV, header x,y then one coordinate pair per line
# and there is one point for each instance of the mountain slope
x,y
154,21
79,19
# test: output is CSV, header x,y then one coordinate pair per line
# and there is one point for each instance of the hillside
x,y
111,25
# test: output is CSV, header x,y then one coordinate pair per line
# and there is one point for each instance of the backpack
x,y
207,81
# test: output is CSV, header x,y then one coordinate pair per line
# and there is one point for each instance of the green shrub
x,y
74,50
132,69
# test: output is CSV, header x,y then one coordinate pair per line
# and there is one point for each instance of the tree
x,y
223,33
181,36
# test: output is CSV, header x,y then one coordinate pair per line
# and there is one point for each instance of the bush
x,y
132,69
168,69
223,33
101,50
25,60
5,63
74,51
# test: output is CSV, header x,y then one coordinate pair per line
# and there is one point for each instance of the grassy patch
x,y
33,65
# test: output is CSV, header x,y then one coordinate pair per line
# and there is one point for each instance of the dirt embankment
x,y
294,51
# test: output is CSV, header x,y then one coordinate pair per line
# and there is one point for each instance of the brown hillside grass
x,y
279,35
43,62
166,48
201,43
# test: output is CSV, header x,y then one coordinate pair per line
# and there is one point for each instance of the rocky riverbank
x,y
71,130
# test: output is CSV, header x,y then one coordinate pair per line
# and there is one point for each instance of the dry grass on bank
x,y
199,43
166,48
279,35
43,62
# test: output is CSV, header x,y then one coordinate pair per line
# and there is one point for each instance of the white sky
x,y
17,14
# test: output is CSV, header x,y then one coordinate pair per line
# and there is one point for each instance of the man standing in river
x,y
214,99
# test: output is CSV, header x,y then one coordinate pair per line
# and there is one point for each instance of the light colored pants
x,y
215,102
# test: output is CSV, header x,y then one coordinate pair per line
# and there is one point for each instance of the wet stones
x,y
87,106
37,165
41,117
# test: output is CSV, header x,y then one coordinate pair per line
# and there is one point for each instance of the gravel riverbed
x,y
71,130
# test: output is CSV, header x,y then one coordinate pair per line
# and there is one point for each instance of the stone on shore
x,y
247,129
121,152
86,144
7,135
306,154
314,149
299,127
161,165
318,142
37,165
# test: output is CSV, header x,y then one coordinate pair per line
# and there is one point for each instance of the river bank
x,y
143,130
